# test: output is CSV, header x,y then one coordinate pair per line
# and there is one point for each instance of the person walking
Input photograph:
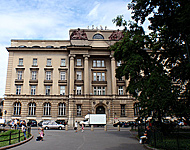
x,y
15,123
76,126
24,130
82,127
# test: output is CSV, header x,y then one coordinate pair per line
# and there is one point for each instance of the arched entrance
x,y
100,110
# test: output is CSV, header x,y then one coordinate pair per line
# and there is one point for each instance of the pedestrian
x,y
76,126
82,127
15,123
24,129
42,134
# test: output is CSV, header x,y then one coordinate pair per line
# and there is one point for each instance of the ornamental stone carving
x,y
116,35
78,35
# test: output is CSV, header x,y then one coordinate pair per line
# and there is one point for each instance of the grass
x,y
6,136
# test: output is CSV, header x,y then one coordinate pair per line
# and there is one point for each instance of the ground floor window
x,y
32,109
62,108
122,109
17,108
79,110
47,109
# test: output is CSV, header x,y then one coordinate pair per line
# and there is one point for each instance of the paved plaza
x,y
87,140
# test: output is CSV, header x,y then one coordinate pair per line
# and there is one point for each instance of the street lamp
x,y
73,107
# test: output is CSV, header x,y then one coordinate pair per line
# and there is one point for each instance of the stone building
x,y
66,79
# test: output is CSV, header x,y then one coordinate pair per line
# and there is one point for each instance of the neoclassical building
x,y
66,79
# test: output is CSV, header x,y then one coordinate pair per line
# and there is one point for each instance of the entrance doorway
x,y
100,110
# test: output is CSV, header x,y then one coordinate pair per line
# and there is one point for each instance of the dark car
x,y
22,122
61,122
32,123
40,123
118,123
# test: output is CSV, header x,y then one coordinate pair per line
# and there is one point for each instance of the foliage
x,y
159,78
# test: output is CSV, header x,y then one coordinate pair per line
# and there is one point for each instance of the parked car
x,y
61,122
40,123
32,123
118,123
52,125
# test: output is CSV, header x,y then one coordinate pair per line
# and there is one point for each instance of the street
x,y
88,140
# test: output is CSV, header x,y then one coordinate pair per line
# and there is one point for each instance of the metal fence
x,y
176,138
17,137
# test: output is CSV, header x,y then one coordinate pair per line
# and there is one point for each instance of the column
x,y
71,88
86,75
113,73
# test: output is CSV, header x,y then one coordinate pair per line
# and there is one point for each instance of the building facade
x,y
66,79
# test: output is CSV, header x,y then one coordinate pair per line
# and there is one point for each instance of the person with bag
x,y
24,130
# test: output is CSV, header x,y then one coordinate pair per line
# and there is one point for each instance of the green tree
x,y
159,78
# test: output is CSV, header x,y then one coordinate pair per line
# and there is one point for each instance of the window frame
x,y
17,108
47,109
62,109
32,109
79,110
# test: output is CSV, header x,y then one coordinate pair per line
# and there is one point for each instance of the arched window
x,y
137,109
47,109
17,108
98,36
62,108
32,109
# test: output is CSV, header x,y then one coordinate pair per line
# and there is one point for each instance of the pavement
x,y
112,139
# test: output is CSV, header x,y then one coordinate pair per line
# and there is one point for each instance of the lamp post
x,y
73,107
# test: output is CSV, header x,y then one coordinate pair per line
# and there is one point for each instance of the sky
x,y
51,20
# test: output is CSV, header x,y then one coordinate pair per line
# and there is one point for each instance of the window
x,y
62,109
122,109
79,90
79,62
79,75
35,62
119,63
137,109
99,76
33,90
48,75
98,36
62,90
47,109
49,62
19,75
120,90
17,108
34,75
20,61
32,109
100,90
63,62
62,75
47,90
98,63
18,89
79,110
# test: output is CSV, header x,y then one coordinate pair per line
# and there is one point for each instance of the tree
x,y
159,78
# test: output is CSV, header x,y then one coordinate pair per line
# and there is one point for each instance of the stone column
x,y
113,73
71,87
86,75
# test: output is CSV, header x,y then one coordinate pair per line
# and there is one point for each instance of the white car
x,y
52,125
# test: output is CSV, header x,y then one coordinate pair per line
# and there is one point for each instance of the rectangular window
x,y
79,110
62,90
120,90
48,75
98,63
18,89
79,62
20,61
94,63
35,62
33,90
94,76
79,90
47,90
79,75
103,76
34,75
94,90
122,109
99,76
99,90
62,75
137,109
19,75
63,62
49,62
